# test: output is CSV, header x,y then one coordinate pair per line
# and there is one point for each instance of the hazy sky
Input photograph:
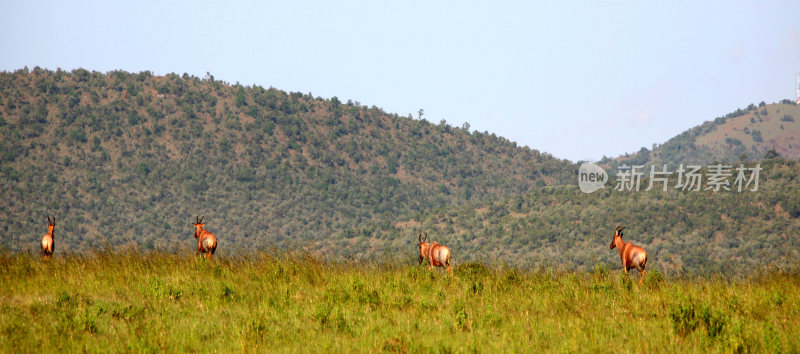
x,y
576,79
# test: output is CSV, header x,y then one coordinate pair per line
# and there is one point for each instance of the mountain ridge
x,y
267,167
743,135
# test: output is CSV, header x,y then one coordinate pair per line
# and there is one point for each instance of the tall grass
x,y
161,301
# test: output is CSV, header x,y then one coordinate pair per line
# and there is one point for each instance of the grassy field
x,y
277,302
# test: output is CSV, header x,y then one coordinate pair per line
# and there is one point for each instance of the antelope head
x,y
423,246
617,234
198,225
51,225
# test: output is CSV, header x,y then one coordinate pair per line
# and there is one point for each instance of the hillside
x,y
124,158
560,227
744,134
132,158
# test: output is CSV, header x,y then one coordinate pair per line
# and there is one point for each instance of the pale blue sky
x,y
575,79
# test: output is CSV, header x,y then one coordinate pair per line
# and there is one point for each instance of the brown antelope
x,y
206,241
632,256
436,254
47,240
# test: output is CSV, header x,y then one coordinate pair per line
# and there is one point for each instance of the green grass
x,y
291,302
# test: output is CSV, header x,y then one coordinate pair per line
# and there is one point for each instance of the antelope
x,y
47,240
206,241
436,254
631,256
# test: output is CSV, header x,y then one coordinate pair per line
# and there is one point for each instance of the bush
x,y
196,186
133,118
714,321
687,317
472,269
143,169
654,277
245,174
757,136
684,318
733,141
77,135
461,316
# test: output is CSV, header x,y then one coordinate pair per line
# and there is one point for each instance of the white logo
x,y
591,177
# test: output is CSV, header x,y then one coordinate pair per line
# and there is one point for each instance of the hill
x,y
747,134
560,227
132,158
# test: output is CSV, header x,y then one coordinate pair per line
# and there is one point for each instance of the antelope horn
x,y
48,220
54,221
419,238
426,236
201,219
197,219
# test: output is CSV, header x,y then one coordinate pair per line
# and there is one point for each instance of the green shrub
x,y
684,318
77,135
461,316
654,277
714,321
471,269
